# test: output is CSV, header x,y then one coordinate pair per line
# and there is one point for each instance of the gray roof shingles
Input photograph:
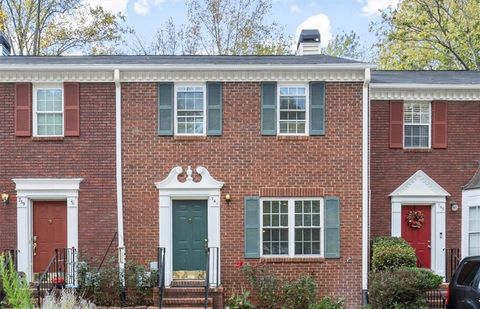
x,y
426,77
176,60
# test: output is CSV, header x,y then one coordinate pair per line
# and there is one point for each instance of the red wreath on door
x,y
415,219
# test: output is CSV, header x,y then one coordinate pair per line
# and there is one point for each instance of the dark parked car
x,y
464,288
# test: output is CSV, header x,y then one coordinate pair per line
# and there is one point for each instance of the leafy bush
x,y
272,292
16,289
401,288
267,286
300,294
328,303
392,253
66,300
240,301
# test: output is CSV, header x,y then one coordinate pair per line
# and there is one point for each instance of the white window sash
x,y
291,228
175,120
307,108
429,124
35,89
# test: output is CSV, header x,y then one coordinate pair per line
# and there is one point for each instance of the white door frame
x,y
420,189
43,189
170,189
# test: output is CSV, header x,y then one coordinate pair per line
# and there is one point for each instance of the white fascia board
x,y
424,86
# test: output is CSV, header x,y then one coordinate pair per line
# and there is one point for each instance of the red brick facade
x,y
451,168
90,156
247,161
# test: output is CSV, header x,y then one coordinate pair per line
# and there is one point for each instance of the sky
x,y
328,16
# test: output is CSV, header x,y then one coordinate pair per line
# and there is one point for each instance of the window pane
x,y
49,112
474,231
416,117
275,223
307,231
190,118
292,110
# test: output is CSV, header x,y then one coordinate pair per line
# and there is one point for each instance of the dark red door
x,y
49,231
418,237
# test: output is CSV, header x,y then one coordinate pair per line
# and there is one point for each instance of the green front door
x,y
189,239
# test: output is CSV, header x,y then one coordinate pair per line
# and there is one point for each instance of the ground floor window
x,y
474,231
292,226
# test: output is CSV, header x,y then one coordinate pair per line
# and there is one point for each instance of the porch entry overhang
x,y
43,189
421,190
171,189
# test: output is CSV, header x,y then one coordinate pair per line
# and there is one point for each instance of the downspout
x,y
365,183
118,160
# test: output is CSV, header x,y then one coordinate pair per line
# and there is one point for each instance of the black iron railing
x,y
161,274
10,254
435,299
59,273
452,259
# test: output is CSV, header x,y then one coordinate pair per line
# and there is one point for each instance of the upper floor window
x,y
48,110
416,121
190,110
293,107
292,227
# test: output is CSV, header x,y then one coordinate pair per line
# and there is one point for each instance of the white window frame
x,y
175,116
291,227
307,107
37,87
429,124
468,228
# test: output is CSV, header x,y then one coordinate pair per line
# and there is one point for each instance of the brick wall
x,y
247,161
90,156
451,168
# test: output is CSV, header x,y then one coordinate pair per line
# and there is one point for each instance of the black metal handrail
x,y
59,273
452,259
161,274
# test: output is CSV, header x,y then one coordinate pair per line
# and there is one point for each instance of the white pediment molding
x,y
425,94
172,181
419,184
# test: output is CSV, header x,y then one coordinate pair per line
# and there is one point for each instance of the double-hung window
x,y
48,110
416,120
292,227
474,230
293,109
190,110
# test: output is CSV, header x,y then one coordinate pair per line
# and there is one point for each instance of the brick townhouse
x,y
424,162
262,159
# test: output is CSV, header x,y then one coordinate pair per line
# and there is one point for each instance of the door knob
x,y
205,244
34,245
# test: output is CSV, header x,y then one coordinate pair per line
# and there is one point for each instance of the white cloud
x,y
141,7
321,22
295,8
373,7
112,6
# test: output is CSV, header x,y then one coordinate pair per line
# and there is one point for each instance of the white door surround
x,y
207,188
420,189
42,189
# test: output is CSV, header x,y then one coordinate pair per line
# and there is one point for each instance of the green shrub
x,y
391,253
300,294
328,303
240,301
267,286
16,289
402,288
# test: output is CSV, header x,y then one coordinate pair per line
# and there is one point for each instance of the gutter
x,y
118,166
365,183
183,67
424,86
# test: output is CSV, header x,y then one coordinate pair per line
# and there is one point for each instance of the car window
x,y
468,273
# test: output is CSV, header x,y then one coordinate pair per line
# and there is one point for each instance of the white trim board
x,y
171,189
32,189
420,189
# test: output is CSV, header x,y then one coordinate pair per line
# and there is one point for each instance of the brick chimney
x,y
5,48
308,42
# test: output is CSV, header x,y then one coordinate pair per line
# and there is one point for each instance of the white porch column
x,y
24,233
438,243
396,218
165,215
